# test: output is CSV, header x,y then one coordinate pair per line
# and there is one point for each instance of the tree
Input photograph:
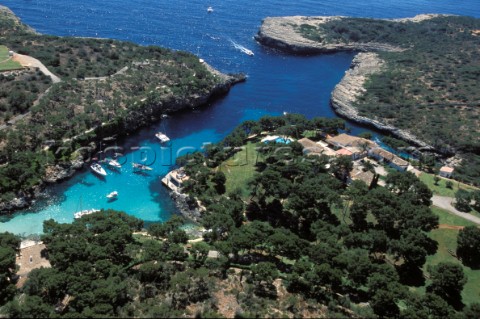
x,y
448,280
48,283
322,277
476,198
263,275
341,167
413,246
427,306
199,253
8,246
366,135
408,186
219,179
462,200
449,184
436,179
285,243
356,264
384,304
472,311
264,272
468,246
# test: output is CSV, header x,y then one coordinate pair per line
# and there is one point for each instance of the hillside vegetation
x,y
428,87
132,86
291,240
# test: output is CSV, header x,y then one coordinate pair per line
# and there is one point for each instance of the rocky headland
x,y
283,33
346,93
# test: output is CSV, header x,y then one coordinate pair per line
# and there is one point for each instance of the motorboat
x,y
81,213
162,137
112,195
141,167
97,168
248,52
114,163
209,9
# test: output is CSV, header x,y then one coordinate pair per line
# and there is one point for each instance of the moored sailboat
x,y
97,168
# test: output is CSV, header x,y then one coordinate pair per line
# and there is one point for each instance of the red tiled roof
x,y
344,151
446,169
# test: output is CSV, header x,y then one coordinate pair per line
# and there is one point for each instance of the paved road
x,y
446,203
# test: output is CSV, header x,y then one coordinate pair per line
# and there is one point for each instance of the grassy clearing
x,y
450,219
240,169
447,239
6,63
441,188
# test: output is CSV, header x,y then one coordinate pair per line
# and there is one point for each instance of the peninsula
x,y
415,77
60,94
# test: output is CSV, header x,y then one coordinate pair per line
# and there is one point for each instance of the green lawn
x,y
447,239
5,63
240,169
441,189
450,219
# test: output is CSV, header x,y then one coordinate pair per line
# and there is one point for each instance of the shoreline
x,y
132,121
64,171
279,33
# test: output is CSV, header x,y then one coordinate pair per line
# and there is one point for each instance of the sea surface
x,y
276,83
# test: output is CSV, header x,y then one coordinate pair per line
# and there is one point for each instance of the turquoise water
x,y
276,83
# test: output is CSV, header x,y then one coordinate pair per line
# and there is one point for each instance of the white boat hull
x,y
98,170
82,213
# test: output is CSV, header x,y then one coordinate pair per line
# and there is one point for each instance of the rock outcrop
x,y
281,33
351,87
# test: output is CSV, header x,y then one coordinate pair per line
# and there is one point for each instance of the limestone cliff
x,y
351,87
281,33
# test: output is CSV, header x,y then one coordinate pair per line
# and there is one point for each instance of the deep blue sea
x,y
276,82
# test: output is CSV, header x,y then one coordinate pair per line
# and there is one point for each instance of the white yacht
x,y
162,137
113,194
141,167
81,213
97,168
209,9
114,163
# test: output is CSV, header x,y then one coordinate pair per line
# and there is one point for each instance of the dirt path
x,y
446,226
29,61
102,78
445,202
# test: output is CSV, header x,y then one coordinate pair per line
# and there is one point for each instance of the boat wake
x,y
241,48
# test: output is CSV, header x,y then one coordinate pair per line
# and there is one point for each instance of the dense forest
x,y
429,87
299,243
108,88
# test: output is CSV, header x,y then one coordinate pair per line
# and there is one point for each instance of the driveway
x,y
445,202
31,62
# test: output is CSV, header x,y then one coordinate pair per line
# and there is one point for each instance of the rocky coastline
x,y
281,33
351,87
132,122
